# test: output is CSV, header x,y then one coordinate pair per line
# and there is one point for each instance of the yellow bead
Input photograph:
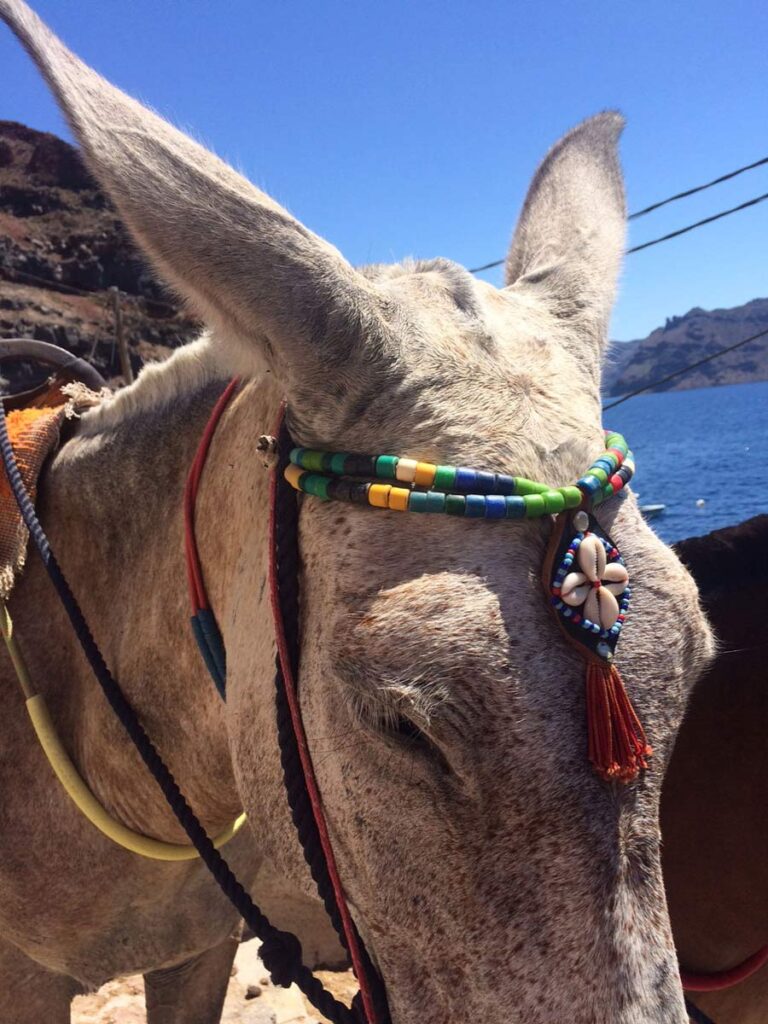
x,y
425,474
293,474
378,495
398,499
406,470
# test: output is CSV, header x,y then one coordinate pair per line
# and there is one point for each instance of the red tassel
x,y
618,748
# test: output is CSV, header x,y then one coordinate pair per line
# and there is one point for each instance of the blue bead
x,y
475,506
486,482
515,507
505,484
588,483
466,480
495,507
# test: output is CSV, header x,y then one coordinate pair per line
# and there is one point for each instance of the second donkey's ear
x,y
567,249
244,264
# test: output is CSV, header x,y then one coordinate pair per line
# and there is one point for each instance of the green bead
x,y
295,456
316,485
337,463
554,502
455,504
445,478
572,495
312,460
386,466
601,475
529,486
534,506
417,502
435,501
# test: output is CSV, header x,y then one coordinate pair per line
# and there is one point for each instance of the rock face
x,y
61,248
685,339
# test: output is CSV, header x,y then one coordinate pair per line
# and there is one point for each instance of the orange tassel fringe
x,y
618,748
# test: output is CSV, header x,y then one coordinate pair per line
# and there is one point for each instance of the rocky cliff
x,y
62,248
684,340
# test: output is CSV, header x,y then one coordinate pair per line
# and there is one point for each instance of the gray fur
x,y
493,876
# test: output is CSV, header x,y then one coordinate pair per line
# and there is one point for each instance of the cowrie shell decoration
x,y
597,585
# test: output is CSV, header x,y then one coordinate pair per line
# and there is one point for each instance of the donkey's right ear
x,y
243,263
568,245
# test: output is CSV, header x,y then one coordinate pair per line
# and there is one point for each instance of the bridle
x,y
280,951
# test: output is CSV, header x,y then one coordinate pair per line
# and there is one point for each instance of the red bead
x,y
556,591
616,483
618,453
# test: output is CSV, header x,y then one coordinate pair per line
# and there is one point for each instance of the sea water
x,y
702,453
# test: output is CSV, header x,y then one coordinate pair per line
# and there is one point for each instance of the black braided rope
x,y
696,1015
280,951
286,556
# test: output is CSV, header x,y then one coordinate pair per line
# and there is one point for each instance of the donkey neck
x,y
113,505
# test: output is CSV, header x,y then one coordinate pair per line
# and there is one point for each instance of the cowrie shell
x,y
601,607
575,589
592,558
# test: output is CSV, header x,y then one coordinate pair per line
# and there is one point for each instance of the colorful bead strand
x,y
410,485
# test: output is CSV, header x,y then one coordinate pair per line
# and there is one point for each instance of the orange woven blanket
x,y
34,434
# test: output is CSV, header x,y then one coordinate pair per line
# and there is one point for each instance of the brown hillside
x,y
62,248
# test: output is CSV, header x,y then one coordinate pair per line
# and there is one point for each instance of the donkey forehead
x,y
443,304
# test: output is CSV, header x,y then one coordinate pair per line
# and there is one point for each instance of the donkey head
x,y
492,874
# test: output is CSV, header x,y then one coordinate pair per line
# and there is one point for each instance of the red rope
x,y
197,592
719,980
310,779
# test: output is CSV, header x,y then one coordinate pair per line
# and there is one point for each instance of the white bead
x,y
581,521
406,470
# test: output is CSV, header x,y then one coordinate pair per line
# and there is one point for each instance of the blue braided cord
x,y
211,647
697,1016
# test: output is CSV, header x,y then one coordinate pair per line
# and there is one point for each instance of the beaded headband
x,y
454,490
584,576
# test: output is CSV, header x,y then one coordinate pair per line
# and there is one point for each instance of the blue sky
x,y
413,128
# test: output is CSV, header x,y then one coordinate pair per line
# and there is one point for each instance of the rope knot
x,y
282,955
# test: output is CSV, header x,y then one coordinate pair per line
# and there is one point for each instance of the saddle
x,y
35,419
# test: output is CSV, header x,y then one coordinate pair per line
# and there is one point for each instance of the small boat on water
x,y
652,511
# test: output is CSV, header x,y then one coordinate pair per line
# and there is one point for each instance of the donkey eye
x,y
407,733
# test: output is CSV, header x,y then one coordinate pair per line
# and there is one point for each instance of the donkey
x,y
492,875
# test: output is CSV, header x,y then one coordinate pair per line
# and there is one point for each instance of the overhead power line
x,y
685,369
698,188
671,199
699,223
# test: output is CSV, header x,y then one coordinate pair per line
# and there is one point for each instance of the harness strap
x,y
283,549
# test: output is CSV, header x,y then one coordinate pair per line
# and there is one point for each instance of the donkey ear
x,y
242,262
567,248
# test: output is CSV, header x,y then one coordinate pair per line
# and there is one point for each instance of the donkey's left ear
x,y
567,248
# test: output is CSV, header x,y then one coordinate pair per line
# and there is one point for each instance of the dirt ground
x,y
251,999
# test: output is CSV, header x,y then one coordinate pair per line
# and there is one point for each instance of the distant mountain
x,y
685,339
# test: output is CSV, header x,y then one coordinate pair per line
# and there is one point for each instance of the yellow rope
x,y
70,778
